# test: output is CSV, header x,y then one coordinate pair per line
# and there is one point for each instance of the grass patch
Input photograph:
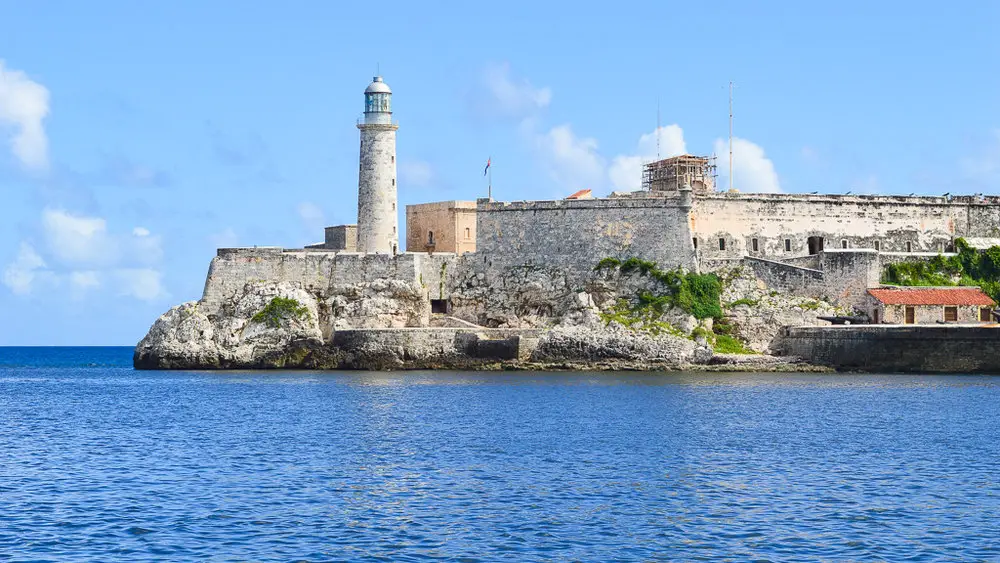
x,y
696,294
725,344
278,309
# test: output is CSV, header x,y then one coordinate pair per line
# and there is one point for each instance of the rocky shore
x,y
387,325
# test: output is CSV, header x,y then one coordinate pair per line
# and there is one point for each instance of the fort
x,y
531,266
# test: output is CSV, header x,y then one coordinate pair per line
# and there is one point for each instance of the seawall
x,y
897,348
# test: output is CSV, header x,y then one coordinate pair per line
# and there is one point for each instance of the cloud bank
x,y
24,104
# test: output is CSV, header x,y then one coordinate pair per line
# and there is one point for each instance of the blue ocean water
x,y
102,463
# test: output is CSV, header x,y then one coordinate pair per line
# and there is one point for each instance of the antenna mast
x,y
730,135
657,128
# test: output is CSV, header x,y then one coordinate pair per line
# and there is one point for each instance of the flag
x,y
485,170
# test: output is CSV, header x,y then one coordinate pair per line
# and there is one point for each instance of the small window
x,y
393,181
695,242
440,306
984,314
430,237
878,246
909,246
843,243
951,314
468,233
722,244
393,158
753,245
875,317
788,245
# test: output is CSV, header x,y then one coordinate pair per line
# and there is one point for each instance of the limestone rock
x,y
613,342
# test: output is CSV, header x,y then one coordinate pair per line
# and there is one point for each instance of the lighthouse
x,y
377,224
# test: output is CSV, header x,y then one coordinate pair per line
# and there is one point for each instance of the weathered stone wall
x,y
925,223
922,314
920,349
786,278
318,272
575,235
341,238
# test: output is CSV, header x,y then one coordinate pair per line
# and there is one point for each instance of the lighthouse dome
x,y
378,87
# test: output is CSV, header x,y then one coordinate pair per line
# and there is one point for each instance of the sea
x,y
99,462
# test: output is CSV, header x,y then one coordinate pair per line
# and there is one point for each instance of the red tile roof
x,y
931,296
580,194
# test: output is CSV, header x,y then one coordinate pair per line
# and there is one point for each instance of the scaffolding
x,y
669,174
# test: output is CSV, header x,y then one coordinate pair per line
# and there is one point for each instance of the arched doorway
x,y
815,245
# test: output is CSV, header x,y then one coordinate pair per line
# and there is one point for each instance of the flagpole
x,y
489,187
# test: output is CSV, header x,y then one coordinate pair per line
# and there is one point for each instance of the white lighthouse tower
x,y
377,224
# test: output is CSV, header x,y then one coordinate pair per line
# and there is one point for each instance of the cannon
x,y
844,320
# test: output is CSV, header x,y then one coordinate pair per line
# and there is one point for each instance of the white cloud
x,y
312,217
81,282
23,106
626,170
753,171
74,241
572,162
508,97
77,239
415,173
145,284
28,268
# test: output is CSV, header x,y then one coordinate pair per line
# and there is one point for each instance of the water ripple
x,y
108,464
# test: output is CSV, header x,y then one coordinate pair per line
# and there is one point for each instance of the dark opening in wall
x,y
909,246
722,244
788,245
695,242
753,245
440,306
843,243
815,245
878,246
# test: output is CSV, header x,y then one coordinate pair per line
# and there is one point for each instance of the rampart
x,y
897,348
728,224
574,235
317,271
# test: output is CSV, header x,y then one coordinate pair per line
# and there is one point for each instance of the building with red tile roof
x,y
929,305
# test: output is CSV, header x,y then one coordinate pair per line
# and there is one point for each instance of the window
x,y
468,233
393,158
843,243
440,306
753,244
695,242
910,315
878,246
788,245
984,314
875,317
951,314
430,237
909,246
722,244
393,181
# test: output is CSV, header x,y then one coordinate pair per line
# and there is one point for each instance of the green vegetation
x,y
968,267
743,301
725,344
278,309
640,318
696,294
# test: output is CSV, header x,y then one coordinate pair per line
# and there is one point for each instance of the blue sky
x,y
136,137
